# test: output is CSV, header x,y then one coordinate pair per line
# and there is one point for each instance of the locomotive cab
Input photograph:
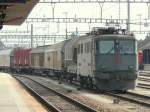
x,y
116,63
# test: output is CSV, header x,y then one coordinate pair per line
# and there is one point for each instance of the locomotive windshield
x,y
106,47
126,47
112,46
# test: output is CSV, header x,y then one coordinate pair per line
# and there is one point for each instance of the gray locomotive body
x,y
107,61
116,65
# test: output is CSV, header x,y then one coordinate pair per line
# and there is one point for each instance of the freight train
x,y
105,58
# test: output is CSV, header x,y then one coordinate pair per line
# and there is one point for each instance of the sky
x,y
89,10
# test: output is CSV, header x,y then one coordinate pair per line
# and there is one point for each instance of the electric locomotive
x,y
105,58
116,63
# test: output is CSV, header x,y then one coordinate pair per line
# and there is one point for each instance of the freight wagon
x,y
37,59
53,62
6,59
21,60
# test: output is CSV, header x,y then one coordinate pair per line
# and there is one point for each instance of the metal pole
x,y
54,39
128,22
53,10
31,35
76,31
140,23
140,18
101,7
66,34
119,10
148,10
89,25
66,13
57,27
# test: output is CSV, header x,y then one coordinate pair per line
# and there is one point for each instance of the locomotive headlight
x,y
130,67
102,67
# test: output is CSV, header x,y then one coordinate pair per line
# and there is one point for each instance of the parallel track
x,y
144,79
54,100
147,74
144,86
133,97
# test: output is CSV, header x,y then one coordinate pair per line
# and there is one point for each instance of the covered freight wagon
x,y
21,57
6,59
54,57
37,59
21,60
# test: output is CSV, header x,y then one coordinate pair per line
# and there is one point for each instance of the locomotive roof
x,y
115,36
108,36
71,41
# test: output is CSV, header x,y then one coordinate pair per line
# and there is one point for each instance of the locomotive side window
x,y
106,47
85,47
126,47
75,55
88,47
81,48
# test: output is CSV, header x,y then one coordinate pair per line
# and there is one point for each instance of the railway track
x,y
144,79
145,86
133,97
52,99
142,73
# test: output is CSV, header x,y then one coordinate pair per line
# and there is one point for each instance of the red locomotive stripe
x,y
117,58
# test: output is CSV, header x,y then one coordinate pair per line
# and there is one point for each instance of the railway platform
x,y
14,98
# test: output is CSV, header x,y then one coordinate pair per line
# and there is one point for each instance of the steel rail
x,y
71,100
144,87
44,102
144,79
147,75
141,85
131,97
